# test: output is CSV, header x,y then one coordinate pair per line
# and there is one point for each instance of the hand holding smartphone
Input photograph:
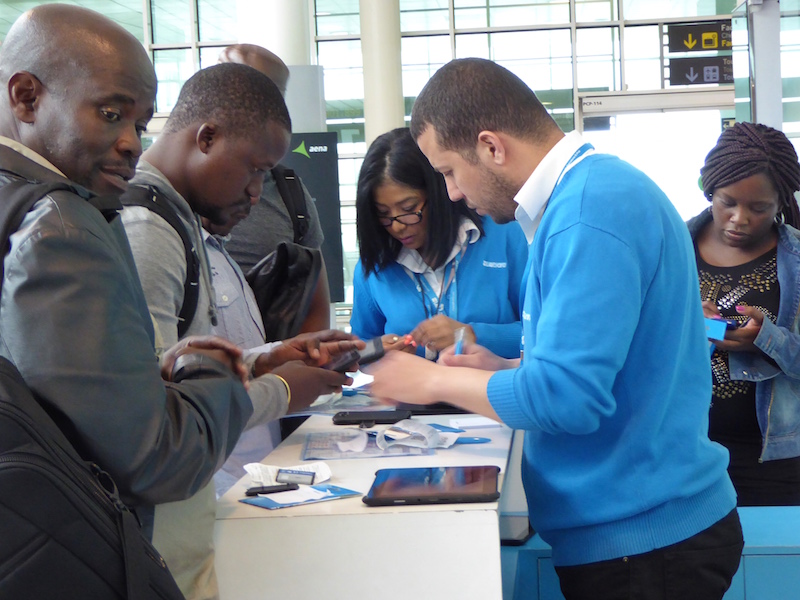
x,y
372,352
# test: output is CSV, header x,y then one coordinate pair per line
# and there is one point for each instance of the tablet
x,y
433,485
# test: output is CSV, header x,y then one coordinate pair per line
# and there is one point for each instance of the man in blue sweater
x,y
613,388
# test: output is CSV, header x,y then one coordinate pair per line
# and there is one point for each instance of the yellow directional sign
x,y
699,37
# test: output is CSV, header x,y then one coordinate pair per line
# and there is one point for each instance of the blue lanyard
x,y
579,155
446,301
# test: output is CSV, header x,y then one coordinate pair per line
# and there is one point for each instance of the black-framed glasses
x,y
411,218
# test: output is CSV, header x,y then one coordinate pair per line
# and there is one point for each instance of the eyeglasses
x,y
411,218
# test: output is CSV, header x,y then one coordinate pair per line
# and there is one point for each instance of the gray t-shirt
x,y
268,225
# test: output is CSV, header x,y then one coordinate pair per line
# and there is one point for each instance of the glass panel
x,y
344,76
790,72
424,15
790,6
590,11
671,153
173,68
642,58
648,9
127,14
542,59
348,177
598,58
218,20
509,13
171,19
209,55
421,57
741,65
545,65
337,17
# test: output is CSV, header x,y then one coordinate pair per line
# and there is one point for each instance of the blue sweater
x,y
615,384
488,280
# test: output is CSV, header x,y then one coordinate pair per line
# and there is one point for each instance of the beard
x,y
498,196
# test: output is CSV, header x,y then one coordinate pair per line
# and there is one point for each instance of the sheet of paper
x,y
307,494
473,422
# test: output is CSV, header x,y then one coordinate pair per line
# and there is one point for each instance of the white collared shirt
x,y
30,154
533,195
411,260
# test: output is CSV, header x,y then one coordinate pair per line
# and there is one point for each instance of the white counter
x,y
345,550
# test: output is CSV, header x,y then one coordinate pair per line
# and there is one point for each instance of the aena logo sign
x,y
301,149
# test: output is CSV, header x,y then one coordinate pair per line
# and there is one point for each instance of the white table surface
x,y
343,549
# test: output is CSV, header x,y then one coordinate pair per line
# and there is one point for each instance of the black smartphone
x,y
433,485
358,417
342,362
372,352
271,489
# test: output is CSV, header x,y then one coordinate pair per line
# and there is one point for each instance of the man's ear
x,y
24,94
491,148
206,137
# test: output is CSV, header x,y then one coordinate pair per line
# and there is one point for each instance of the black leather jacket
x,y
74,320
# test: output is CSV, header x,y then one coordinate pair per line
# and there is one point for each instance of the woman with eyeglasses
x,y
429,266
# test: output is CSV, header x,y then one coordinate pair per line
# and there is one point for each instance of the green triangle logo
x,y
301,149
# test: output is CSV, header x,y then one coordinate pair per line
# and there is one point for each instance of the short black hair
x,y
470,95
394,156
747,149
235,96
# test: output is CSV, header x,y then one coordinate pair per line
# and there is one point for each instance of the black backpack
x,y
149,197
64,532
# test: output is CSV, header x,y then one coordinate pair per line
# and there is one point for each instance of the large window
x,y
560,48
564,49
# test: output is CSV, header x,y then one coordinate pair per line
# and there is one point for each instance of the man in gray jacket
x,y
73,319
229,126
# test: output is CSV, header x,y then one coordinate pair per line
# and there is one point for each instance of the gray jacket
x,y
73,319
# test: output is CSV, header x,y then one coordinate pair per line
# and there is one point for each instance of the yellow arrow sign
x,y
691,43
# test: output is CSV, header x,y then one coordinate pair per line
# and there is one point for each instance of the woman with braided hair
x,y
748,259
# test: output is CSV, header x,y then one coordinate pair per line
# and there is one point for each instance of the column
x,y
383,81
281,26
766,93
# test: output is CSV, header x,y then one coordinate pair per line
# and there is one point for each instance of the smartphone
x,y
357,417
342,362
731,324
433,485
271,489
372,352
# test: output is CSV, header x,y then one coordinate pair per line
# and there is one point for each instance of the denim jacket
x,y
778,383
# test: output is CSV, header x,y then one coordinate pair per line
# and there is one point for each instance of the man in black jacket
x,y
80,92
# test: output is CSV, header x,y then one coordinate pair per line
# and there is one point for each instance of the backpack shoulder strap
x,y
16,199
291,192
151,199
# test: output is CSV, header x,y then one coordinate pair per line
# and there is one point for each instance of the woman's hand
x,y
392,341
742,339
439,332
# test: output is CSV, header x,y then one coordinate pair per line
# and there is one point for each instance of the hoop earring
x,y
780,219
